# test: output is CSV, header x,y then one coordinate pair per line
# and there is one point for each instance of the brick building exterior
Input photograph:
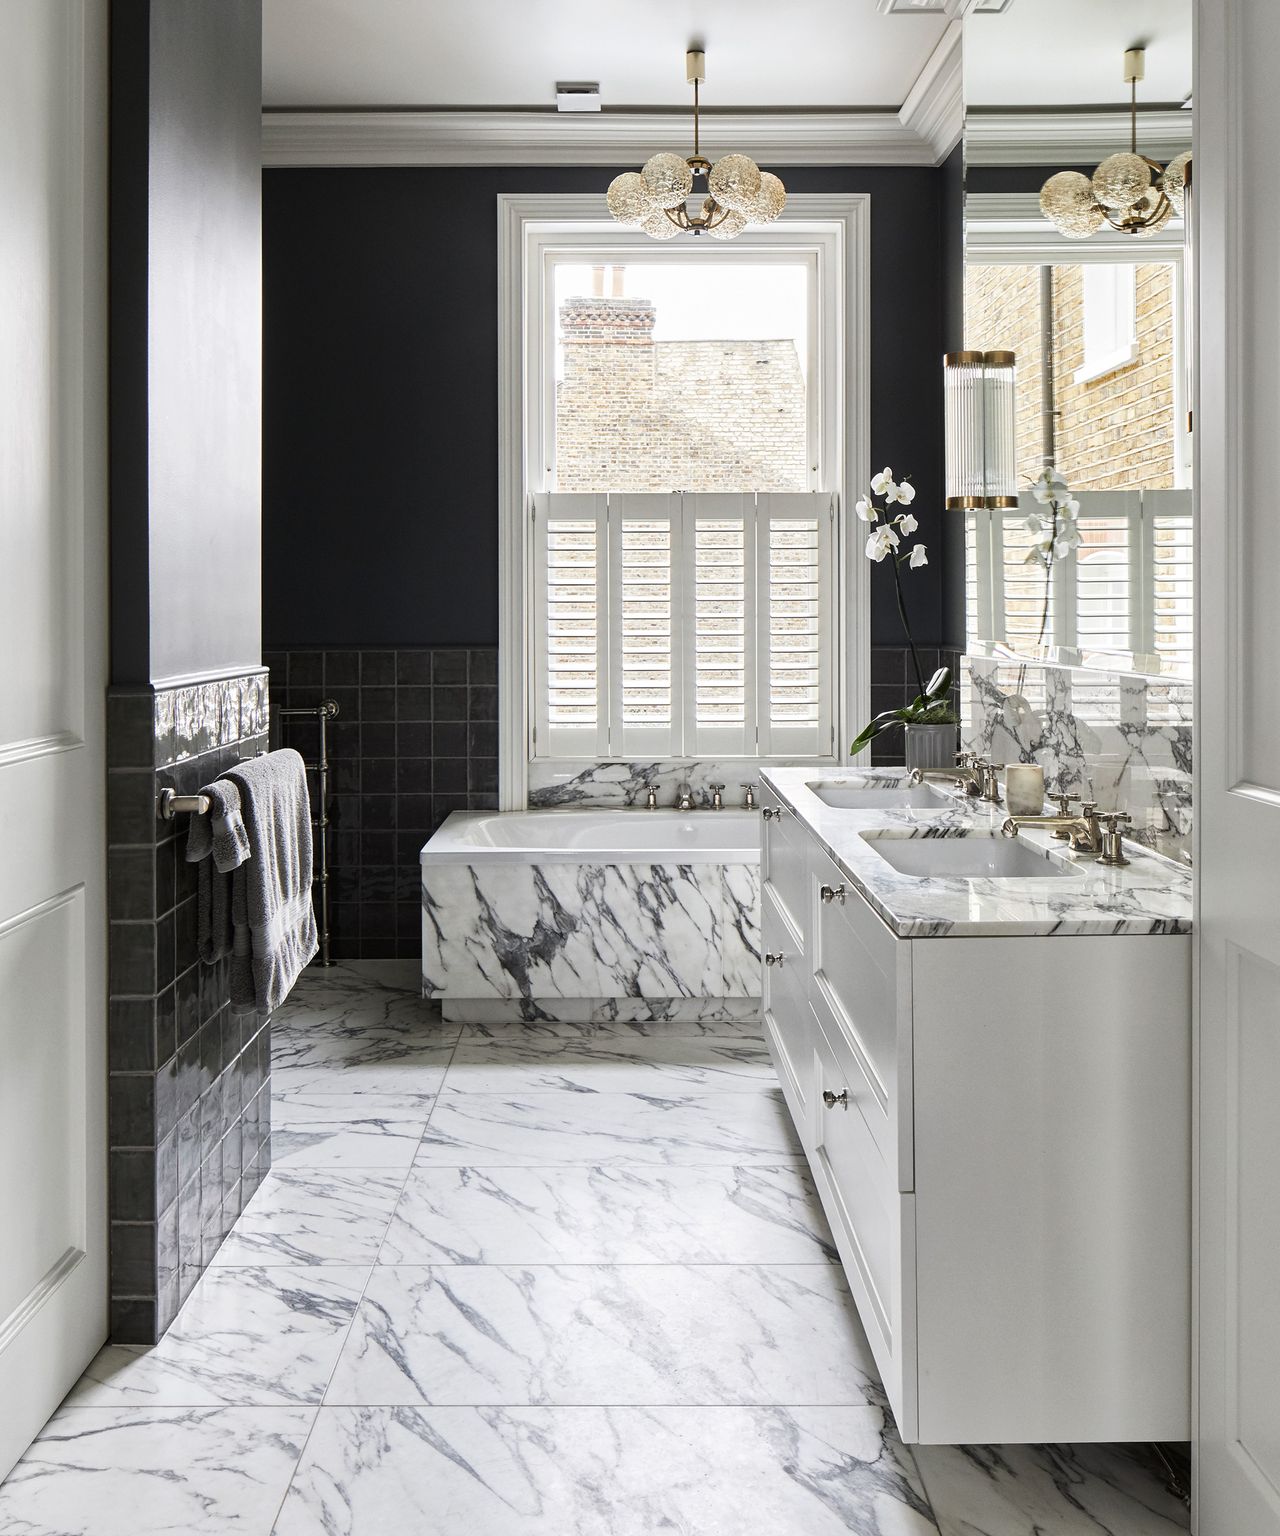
x,y
637,414
1118,430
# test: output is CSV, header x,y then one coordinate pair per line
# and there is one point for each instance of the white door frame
x,y
53,404
527,226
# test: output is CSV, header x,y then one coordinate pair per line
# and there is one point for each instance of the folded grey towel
x,y
217,844
272,919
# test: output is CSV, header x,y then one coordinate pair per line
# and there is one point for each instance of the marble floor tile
x,y
725,1129
605,1472
343,1145
611,1065
317,1217
381,1066
155,1472
616,1028
244,1337
341,1002
1051,1490
590,1334
613,1215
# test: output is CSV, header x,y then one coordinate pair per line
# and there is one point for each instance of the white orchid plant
x,y
886,540
1054,530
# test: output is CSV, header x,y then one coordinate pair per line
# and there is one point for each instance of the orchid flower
x,y
882,483
918,557
902,491
866,510
906,523
881,542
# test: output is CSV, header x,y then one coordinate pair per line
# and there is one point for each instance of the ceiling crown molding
x,y
934,108
605,138
1071,138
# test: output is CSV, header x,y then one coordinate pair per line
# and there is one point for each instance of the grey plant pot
x,y
931,747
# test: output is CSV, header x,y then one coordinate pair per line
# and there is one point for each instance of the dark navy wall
x,y
380,440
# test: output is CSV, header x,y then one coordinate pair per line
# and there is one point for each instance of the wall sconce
x,y
981,446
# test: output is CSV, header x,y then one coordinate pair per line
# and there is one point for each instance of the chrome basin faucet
x,y
684,800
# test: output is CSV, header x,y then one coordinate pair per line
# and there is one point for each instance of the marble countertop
x,y
1151,895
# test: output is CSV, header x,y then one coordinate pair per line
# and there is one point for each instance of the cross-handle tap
x,y
989,774
1113,838
749,798
717,799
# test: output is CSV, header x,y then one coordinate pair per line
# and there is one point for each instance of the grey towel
x,y
273,921
216,844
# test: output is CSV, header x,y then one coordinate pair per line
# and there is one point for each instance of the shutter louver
x,y
643,595
1171,537
720,711
569,532
794,544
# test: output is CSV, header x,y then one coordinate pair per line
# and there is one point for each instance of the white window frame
x,y
1110,318
532,231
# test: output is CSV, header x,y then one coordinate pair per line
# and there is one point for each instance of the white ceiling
x,y
1061,53
511,53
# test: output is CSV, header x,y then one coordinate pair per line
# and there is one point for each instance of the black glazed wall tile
x,y
133,1320
132,959
341,668
133,1258
413,666
131,1035
378,775
377,667
483,665
448,666
448,703
131,1117
131,882
449,775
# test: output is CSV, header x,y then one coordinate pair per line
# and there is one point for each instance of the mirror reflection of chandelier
x,y
1128,191
660,199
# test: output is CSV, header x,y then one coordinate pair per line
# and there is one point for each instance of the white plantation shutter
x,y
794,632
644,623
1128,587
570,561
719,624
684,625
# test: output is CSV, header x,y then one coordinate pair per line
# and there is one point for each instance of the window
x,y
693,624
1109,314
681,426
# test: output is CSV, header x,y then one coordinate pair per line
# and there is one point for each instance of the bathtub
x,y
593,916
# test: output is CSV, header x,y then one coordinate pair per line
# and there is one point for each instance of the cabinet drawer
x,y
785,860
862,993
872,1220
788,1019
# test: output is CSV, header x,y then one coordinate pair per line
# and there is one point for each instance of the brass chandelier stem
x,y
696,154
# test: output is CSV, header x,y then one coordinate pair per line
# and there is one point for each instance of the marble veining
x,y
491,1130
1121,740
702,1065
530,934
621,782
665,1248
605,1215
156,1472
1151,895
625,1471
1069,1490
619,1334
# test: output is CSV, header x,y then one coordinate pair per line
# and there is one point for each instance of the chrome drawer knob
x,y
832,892
774,958
832,1099
772,813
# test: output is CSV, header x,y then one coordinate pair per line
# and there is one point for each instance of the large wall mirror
x,y
1097,318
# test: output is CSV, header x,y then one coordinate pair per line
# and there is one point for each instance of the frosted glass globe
x,y
768,203
667,180
734,182
1121,180
628,201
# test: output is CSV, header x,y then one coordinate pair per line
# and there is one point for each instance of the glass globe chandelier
x,y
1128,191
660,199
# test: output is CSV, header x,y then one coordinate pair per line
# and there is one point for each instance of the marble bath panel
x,y
587,1471
1123,741
632,1334
619,782
528,932
156,1472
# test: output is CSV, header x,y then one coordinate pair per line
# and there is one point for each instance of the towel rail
x,y
172,804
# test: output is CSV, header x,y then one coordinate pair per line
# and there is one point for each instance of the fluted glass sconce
x,y
981,446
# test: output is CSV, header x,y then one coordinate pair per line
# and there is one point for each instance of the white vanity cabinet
x,y
1003,1153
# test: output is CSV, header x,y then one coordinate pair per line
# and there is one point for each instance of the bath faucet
x,y
1084,832
967,774
651,798
684,799
749,799
717,802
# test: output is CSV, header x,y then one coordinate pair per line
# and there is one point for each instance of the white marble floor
x,y
567,1282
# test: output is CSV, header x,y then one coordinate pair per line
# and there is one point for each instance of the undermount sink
x,y
878,797
967,857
